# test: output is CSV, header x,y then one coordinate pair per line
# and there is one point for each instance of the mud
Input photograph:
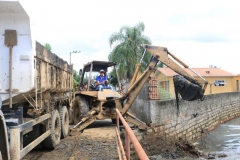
x,y
167,149
97,142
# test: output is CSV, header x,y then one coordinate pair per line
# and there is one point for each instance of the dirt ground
x,y
97,142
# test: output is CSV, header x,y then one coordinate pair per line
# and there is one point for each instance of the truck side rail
x,y
16,136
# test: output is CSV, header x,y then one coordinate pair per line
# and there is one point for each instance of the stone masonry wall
x,y
190,121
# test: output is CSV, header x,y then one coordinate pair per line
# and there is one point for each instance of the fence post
x,y
117,122
127,145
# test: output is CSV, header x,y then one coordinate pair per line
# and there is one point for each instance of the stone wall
x,y
189,121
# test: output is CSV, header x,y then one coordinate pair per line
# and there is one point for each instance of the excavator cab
x,y
89,103
90,70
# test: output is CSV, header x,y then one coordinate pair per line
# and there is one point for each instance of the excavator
x,y
90,104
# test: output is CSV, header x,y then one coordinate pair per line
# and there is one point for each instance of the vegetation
x,y
164,94
48,47
127,51
76,79
113,79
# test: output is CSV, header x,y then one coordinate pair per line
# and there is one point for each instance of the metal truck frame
x,y
35,87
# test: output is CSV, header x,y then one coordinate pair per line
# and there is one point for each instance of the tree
x,y
48,47
127,51
113,79
76,79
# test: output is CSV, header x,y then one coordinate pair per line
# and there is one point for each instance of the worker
x,y
102,81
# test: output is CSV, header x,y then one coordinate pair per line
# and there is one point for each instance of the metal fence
x,y
129,135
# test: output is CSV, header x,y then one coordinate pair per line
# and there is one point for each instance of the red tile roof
x,y
204,72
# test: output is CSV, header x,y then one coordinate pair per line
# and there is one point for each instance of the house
x,y
236,80
219,81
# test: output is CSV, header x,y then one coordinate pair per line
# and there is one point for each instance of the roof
x,y
98,65
204,72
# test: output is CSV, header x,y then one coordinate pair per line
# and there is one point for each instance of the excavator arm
x,y
184,83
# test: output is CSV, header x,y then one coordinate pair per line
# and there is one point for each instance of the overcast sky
x,y
199,32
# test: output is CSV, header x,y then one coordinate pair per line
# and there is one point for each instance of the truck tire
x,y
70,113
64,117
55,132
80,107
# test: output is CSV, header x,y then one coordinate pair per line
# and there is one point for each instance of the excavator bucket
x,y
188,90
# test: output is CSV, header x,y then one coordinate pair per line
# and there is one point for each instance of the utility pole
x,y
71,54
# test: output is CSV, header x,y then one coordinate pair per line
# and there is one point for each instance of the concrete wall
x,y
191,120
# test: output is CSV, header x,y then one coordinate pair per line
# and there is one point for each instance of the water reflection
x,y
224,140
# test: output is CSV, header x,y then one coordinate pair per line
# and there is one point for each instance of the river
x,y
223,141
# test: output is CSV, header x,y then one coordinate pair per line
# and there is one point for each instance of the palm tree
x,y
47,47
127,51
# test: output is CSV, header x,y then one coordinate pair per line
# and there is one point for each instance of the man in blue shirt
x,y
102,80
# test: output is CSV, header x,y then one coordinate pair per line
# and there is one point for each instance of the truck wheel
x,y
64,121
55,132
80,107
70,113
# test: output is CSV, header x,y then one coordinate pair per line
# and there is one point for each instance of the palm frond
x,y
127,51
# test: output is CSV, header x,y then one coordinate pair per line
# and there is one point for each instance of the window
x,y
219,83
164,85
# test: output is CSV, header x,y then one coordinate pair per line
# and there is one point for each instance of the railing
x,y
129,135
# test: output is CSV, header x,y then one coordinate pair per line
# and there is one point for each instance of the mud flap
x,y
188,91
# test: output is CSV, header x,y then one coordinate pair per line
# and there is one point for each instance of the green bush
x,y
164,94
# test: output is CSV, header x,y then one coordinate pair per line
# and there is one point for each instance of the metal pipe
x,y
134,117
120,144
198,74
36,85
138,148
178,60
143,55
137,69
117,121
127,145
119,153
86,118
10,77
90,77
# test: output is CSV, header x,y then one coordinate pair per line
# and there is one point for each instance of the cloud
x,y
209,29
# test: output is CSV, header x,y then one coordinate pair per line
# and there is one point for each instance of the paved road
x,y
97,142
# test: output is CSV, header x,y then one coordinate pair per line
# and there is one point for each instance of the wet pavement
x,y
222,143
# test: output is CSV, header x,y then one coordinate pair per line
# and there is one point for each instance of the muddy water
x,y
224,141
